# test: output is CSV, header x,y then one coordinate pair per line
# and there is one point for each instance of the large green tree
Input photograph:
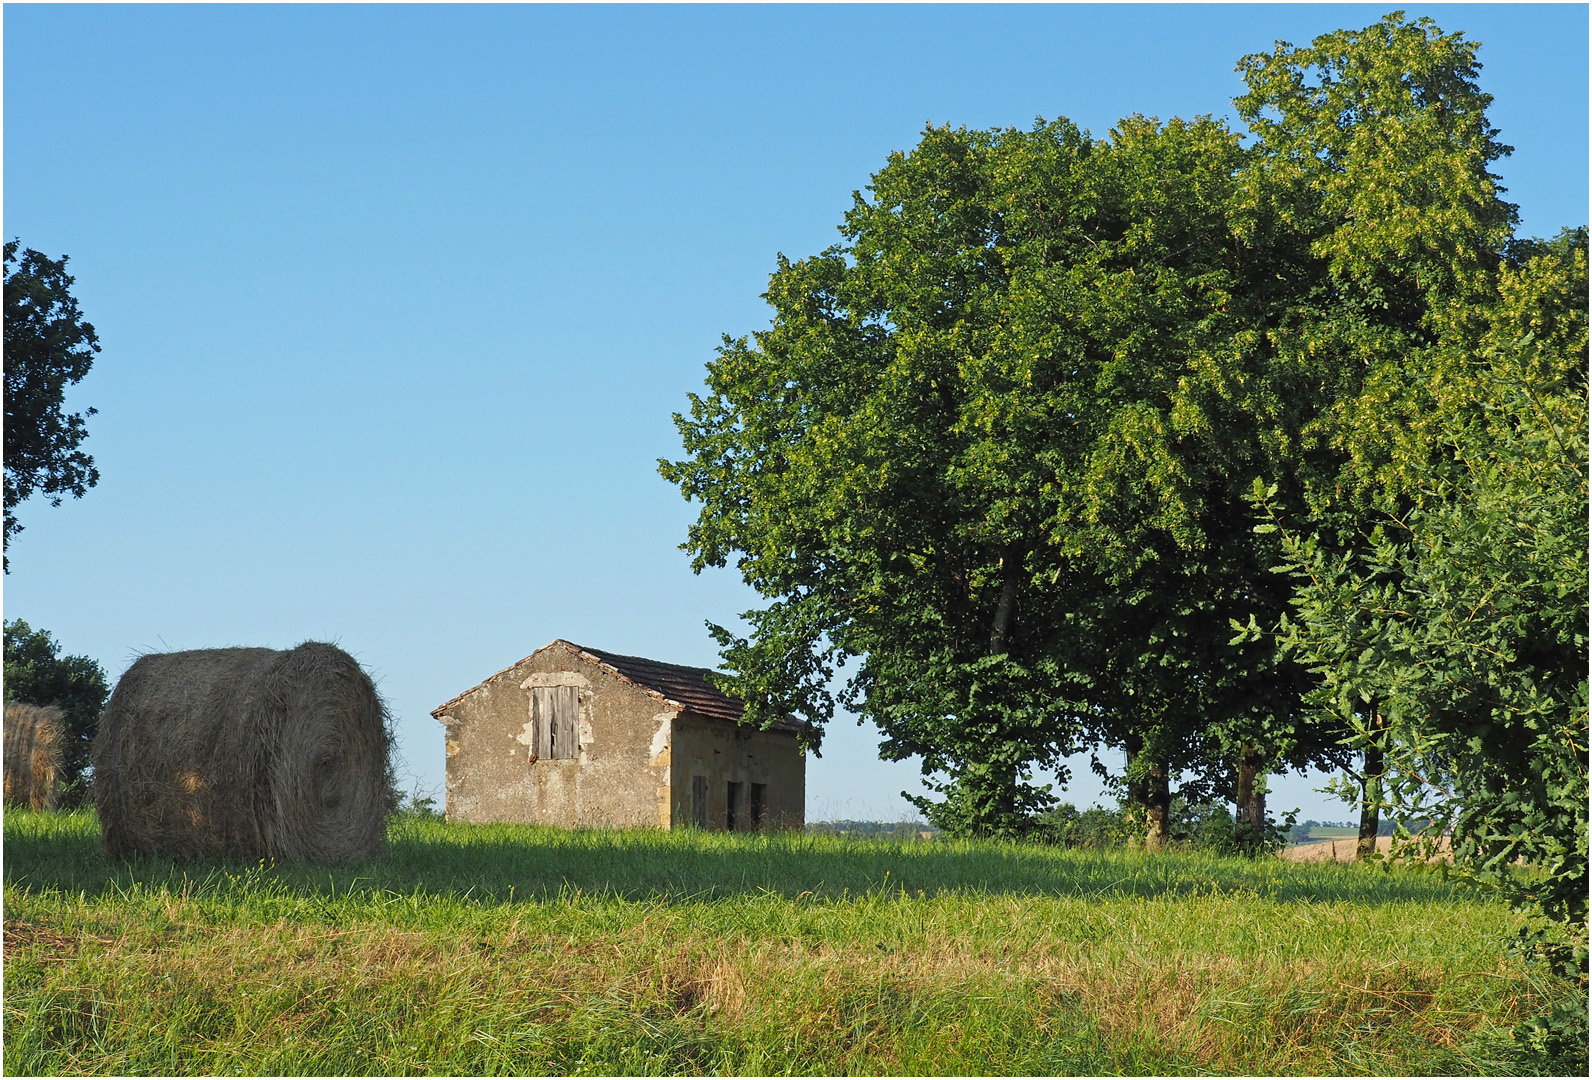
x,y
877,462
996,445
48,347
990,449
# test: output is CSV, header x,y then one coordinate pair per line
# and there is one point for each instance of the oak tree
x,y
48,347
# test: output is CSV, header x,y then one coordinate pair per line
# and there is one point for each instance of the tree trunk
x,y
1133,747
1157,807
1006,607
1149,793
1250,798
1370,795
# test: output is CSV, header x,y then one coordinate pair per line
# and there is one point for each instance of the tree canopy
x,y
997,450
1462,614
989,449
48,347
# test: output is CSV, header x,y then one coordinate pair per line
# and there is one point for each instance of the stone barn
x,y
575,736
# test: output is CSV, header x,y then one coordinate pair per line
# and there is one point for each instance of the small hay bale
x,y
244,753
33,754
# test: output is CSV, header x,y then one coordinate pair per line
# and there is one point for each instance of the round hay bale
x,y
244,753
33,754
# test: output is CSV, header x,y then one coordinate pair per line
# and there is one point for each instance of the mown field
x,y
1322,832
486,950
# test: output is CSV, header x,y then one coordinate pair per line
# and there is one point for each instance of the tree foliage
x,y
48,347
1463,614
877,462
993,448
1442,564
996,448
37,674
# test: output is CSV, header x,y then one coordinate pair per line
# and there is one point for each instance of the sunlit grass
x,y
523,950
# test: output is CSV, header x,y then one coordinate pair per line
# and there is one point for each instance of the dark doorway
x,y
758,810
699,801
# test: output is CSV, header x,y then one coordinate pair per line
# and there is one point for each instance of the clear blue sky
x,y
396,302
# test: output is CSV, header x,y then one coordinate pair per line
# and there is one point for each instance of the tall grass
x,y
508,949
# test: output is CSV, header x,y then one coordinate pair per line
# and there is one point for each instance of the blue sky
x,y
396,302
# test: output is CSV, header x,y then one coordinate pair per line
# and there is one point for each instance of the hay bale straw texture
x,y
246,754
32,754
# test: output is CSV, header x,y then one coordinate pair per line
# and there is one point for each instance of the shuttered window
x,y
555,711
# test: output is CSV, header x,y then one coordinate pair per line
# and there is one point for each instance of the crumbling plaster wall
x,y
722,753
619,778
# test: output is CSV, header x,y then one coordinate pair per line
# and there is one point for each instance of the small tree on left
x,y
48,347
36,673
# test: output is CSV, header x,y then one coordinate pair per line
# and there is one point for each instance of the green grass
x,y
498,949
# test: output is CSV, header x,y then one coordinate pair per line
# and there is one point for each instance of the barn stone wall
x,y
620,776
722,754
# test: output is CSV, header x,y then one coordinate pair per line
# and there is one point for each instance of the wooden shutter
x,y
542,721
566,713
556,713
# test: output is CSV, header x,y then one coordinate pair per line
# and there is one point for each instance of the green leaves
x,y
1464,612
1025,450
989,450
882,460
48,347
1379,153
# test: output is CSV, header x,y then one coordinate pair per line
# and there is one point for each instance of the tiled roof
x,y
684,687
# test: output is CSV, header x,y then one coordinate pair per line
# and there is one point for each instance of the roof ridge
x,y
598,659
684,687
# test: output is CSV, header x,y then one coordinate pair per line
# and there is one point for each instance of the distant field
x,y
521,950
1321,833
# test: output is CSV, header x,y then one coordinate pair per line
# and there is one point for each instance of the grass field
x,y
494,949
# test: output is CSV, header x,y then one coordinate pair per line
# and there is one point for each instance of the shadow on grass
x,y
495,864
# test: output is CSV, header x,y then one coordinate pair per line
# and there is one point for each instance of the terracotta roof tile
x,y
677,684
684,687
